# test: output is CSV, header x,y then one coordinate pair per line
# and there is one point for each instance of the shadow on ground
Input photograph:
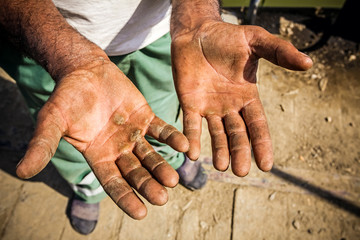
x,y
324,194
16,128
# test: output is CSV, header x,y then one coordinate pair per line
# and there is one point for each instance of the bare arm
x,y
38,29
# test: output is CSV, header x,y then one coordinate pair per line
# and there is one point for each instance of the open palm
x,y
214,69
102,114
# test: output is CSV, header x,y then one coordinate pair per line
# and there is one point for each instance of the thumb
x,y
44,143
276,50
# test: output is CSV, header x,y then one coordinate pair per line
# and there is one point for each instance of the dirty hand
x,y
214,68
102,114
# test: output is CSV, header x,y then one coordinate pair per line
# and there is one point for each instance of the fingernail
x,y
304,54
19,162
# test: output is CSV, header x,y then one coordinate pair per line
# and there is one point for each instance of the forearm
x,y
188,15
39,30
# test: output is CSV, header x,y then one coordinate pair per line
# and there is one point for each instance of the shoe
x,y
192,175
83,216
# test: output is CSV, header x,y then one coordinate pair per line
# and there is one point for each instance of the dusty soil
x,y
312,192
323,102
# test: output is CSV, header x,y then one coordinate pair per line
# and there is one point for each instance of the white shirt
x,y
118,26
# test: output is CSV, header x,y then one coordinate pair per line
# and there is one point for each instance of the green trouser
x,y
148,68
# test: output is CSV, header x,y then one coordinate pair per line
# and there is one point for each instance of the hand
x,y
102,114
214,68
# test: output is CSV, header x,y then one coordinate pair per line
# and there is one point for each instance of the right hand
x,y
100,112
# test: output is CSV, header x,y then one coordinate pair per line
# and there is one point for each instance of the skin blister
x,y
109,131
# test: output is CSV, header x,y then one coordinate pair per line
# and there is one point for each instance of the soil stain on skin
x,y
118,119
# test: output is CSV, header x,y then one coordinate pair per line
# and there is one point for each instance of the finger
x,y
276,50
155,164
118,189
43,145
239,144
141,180
168,134
219,143
255,119
192,130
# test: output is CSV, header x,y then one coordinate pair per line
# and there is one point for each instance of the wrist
x,y
62,63
189,15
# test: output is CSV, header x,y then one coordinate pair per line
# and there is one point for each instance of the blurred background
x,y
314,117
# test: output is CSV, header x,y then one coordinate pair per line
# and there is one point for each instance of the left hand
x,y
214,69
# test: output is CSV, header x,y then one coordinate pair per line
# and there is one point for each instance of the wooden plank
x,y
204,214
9,195
268,214
292,180
159,224
39,214
253,218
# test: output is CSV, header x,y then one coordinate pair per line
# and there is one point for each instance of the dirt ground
x,y
313,191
